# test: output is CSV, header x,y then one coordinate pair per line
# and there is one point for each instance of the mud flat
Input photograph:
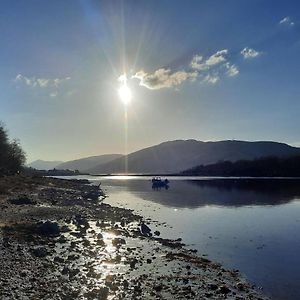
x,y
58,240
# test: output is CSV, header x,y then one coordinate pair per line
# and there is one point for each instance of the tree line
x,y
261,167
12,156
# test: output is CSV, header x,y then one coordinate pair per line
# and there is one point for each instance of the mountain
x,y
86,163
44,165
180,155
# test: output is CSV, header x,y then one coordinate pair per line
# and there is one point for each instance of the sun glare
x,y
125,94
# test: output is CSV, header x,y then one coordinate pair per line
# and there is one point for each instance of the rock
x,y
93,195
65,271
117,242
100,243
223,289
101,294
23,273
193,250
22,200
125,284
40,252
62,240
72,257
58,259
145,230
170,243
5,242
158,288
73,273
241,286
86,243
49,228
212,286
80,220
132,263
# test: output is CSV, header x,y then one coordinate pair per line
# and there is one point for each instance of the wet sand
x,y
58,240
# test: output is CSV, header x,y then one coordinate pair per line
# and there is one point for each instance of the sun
x,y
125,94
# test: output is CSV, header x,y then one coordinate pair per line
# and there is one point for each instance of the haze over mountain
x,y
44,164
86,163
179,155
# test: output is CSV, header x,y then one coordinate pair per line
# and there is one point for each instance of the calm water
x,y
250,225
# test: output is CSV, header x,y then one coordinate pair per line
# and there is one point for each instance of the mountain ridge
x,y
178,155
85,163
44,164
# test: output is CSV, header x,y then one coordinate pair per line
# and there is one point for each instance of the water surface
x,y
246,224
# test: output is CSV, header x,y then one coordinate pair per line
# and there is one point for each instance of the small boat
x,y
157,182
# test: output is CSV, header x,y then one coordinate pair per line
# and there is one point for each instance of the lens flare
x,y
125,94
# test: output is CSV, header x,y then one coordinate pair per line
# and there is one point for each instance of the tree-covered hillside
x,y
263,167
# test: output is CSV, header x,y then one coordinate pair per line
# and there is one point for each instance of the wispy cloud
x,y
212,79
40,82
51,84
232,70
250,53
198,63
286,21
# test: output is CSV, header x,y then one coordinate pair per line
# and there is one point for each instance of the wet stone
x,y
23,200
117,242
40,252
223,289
48,228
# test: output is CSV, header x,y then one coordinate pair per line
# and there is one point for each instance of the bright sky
x,y
209,70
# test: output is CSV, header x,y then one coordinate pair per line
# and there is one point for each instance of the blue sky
x,y
208,70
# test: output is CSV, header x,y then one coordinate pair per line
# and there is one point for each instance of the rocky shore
x,y
58,240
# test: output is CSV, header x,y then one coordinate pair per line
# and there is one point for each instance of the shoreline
x,y
85,249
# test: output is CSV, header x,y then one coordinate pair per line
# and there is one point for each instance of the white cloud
x,y
123,78
196,62
53,94
232,70
199,64
250,53
164,78
217,58
58,81
287,21
212,79
40,82
209,70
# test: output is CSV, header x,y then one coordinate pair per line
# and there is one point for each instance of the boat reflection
x,y
219,192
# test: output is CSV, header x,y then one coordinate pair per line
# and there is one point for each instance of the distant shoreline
x,y
196,176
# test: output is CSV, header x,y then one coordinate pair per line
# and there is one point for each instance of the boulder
x,y
40,252
49,228
22,200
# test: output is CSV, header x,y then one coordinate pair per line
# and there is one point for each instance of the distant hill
x,y
261,167
176,156
84,164
44,165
